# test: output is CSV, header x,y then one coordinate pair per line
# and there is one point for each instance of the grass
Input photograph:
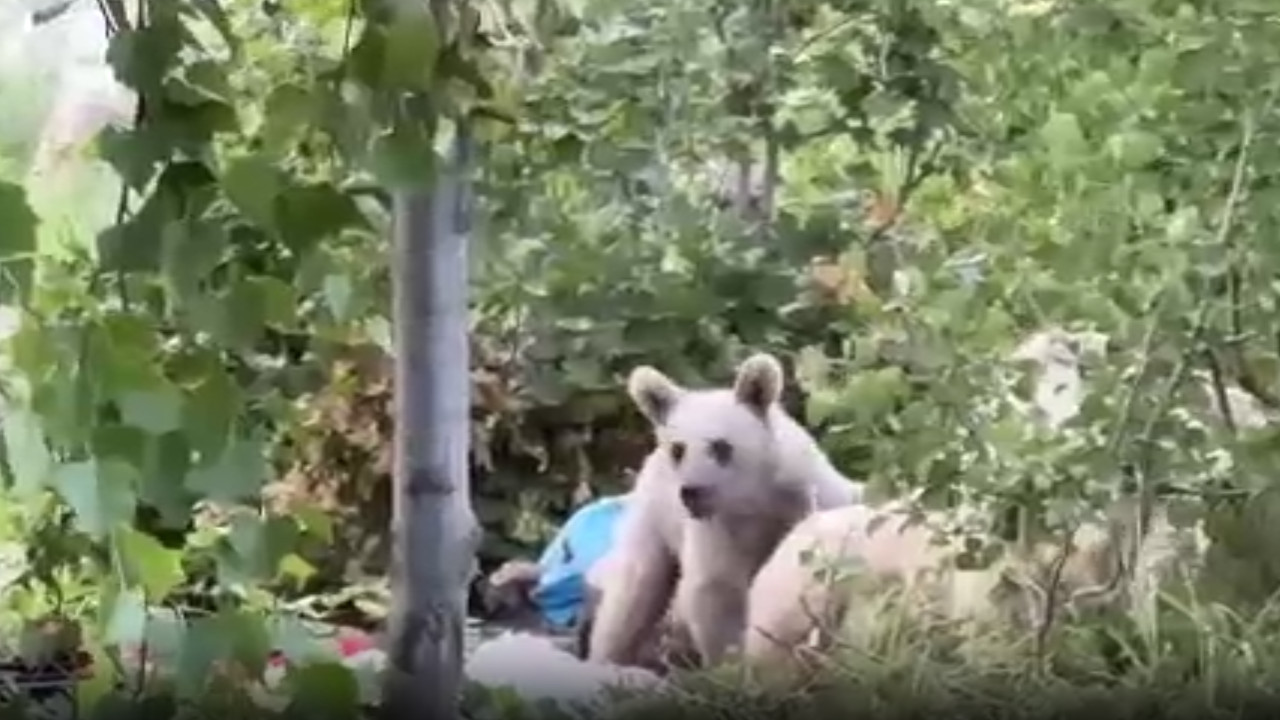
x,y
1194,661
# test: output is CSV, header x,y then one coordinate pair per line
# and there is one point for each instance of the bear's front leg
x,y
711,597
634,596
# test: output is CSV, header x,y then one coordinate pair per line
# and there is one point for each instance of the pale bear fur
x,y
790,598
665,647
732,473
836,556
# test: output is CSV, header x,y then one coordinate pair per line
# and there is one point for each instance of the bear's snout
x,y
698,500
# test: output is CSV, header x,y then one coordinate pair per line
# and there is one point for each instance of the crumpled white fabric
x,y
536,669
1057,355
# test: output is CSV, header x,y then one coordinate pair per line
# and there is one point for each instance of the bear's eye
x,y
721,451
677,452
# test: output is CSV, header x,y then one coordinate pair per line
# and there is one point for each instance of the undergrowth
x,y
1194,660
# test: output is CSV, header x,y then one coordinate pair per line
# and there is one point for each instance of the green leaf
x,y
157,410
213,404
37,353
289,110
256,303
136,244
198,82
323,690
166,631
308,214
279,301
93,687
293,567
124,617
122,352
250,640
191,250
17,243
1064,139
240,636
411,47
19,221
245,313
208,313
259,546
66,402
298,642
135,155
166,462
251,182
315,522
337,295
116,441
100,493
1135,149
27,453
237,474
213,12
131,337
145,562
203,644
140,56
404,157
399,55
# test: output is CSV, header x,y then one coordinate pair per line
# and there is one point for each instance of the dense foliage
x,y
890,194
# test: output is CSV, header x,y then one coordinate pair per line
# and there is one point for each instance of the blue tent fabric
x,y
585,538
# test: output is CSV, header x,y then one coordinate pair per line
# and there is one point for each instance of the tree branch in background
x,y
1218,380
882,255
1225,238
754,195
765,108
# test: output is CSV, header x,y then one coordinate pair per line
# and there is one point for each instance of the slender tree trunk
x,y
434,531
766,110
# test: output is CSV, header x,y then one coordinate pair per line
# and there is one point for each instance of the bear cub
x,y
731,474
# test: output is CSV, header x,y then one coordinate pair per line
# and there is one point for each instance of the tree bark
x,y
434,532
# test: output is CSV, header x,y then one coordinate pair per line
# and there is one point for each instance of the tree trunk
x,y
434,532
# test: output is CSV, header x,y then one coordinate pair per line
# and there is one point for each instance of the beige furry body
x,y
837,557
749,470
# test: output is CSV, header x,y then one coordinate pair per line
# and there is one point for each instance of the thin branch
x,y
1146,490
1050,606
919,169
766,111
825,33
114,16
1152,311
1224,238
1216,376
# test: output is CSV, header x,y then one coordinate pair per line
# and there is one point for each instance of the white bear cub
x,y
732,473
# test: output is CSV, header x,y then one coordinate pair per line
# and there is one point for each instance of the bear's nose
x,y
697,500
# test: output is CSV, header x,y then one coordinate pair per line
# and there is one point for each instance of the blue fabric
x,y
585,538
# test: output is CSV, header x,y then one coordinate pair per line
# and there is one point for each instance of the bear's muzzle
x,y
699,500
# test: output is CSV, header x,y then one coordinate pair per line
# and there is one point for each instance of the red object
x,y
349,641
355,642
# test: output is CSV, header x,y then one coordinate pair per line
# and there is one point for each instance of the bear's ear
x,y
759,382
654,393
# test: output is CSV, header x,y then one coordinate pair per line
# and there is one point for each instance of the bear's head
x,y
720,443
